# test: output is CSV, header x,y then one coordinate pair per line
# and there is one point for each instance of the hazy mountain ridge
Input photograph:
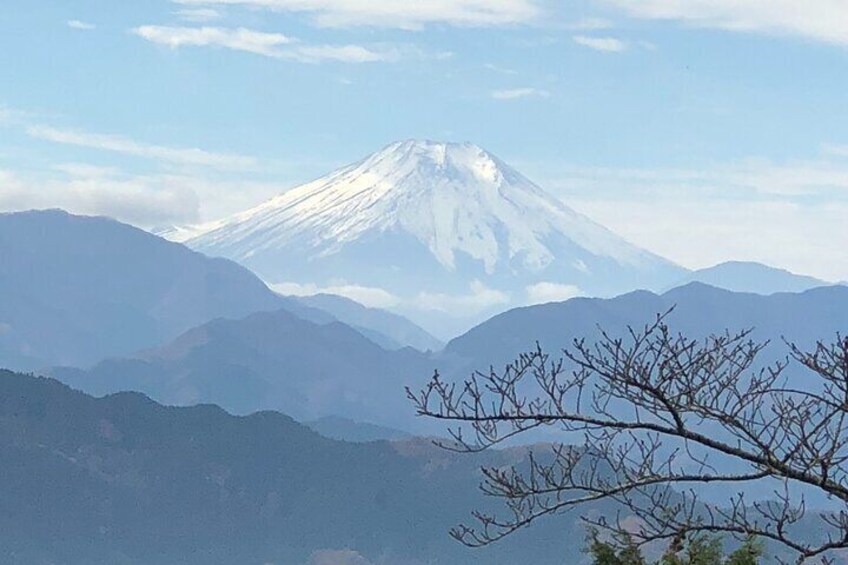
x,y
698,310
344,429
400,331
268,360
749,276
77,289
275,360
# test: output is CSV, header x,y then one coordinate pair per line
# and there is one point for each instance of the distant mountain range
x,y
124,480
113,308
268,360
699,310
429,224
279,361
747,276
75,290
344,429
386,329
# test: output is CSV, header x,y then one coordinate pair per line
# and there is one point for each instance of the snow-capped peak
x,y
451,197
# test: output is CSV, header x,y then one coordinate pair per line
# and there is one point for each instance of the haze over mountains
x,y
697,310
433,230
122,479
278,361
747,276
75,290
269,360
149,315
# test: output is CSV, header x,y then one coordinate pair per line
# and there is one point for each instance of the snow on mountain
x,y
435,226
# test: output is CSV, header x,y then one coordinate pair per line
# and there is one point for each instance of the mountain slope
x,y
76,289
699,310
400,331
746,276
269,360
344,429
422,221
124,480
276,360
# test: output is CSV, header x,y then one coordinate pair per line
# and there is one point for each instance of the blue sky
x,y
703,130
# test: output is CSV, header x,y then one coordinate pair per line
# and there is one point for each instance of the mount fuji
x,y
435,231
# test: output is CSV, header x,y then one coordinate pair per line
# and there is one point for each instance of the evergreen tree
x,y
700,550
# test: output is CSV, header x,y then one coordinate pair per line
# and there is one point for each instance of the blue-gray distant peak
x,y
748,276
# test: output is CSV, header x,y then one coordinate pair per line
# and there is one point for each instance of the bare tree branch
x,y
657,414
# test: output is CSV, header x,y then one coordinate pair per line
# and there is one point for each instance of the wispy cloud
x,y
274,45
145,200
479,299
789,214
120,144
542,292
518,93
370,296
138,200
199,15
395,13
240,39
835,150
498,69
821,20
78,24
590,24
605,44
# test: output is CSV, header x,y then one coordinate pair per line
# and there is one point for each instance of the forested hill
x,y
122,479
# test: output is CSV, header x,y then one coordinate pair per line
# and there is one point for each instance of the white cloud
x,y
821,20
81,170
7,116
342,53
77,24
144,200
12,116
275,45
372,297
787,214
517,93
590,24
337,557
605,44
240,39
801,238
543,292
199,15
479,299
120,144
396,13
835,150
140,200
